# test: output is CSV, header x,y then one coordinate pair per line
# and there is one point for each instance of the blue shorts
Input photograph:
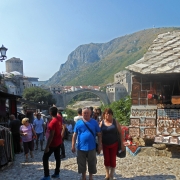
x,y
40,136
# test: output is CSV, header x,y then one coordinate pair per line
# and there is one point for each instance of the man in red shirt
x,y
53,144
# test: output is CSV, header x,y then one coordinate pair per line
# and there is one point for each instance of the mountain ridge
x,y
96,63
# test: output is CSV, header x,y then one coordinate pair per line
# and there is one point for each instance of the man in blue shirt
x,y
85,132
39,128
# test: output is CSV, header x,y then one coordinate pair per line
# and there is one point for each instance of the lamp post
x,y
3,53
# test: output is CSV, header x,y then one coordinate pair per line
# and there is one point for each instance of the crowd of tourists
x,y
93,132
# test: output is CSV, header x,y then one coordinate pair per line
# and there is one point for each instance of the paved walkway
x,y
129,168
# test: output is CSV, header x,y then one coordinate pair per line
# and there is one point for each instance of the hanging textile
x,y
6,151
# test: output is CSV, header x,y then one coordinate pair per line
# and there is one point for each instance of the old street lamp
x,y
3,53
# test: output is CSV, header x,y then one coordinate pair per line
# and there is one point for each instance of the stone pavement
x,y
129,168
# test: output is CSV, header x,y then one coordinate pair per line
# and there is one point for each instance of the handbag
x,y
92,134
120,154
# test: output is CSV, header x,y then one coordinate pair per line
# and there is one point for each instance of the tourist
x,y
95,116
14,128
99,113
79,116
69,128
91,109
53,144
63,134
85,131
39,128
109,127
27,132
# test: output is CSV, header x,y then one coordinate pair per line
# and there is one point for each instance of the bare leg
x,y
90,176
84,176
31,153
36,145
26,157
112,171
107,171
41,142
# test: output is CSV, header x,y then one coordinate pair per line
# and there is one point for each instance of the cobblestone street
x,y
129,168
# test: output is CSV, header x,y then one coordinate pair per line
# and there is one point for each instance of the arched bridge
x,y
62,100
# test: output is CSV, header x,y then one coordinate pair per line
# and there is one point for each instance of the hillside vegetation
x,y
96,64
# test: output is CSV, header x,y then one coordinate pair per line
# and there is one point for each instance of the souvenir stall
x,y
143,110
155,112
8,105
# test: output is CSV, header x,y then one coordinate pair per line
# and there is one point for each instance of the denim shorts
x,y
39,136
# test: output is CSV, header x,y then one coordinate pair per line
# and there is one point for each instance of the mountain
x,y
96,63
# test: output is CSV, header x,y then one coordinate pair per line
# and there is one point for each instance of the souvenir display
x,y
150,132
146,127
144,112
134,122
158,139
173,140
134,131
165,139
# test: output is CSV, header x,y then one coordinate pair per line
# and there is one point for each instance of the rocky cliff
x,y
96,63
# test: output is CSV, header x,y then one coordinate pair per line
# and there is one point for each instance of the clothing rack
x,y
6,151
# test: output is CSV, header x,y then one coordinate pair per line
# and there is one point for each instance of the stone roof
x,y
163,56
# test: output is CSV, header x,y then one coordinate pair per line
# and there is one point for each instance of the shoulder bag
x,y
33,136
92,134
120,153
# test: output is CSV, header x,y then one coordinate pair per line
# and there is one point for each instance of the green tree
x,y
37,94
70,113
121,110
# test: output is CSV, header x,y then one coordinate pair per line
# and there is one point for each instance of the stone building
x,y
124,78
13,78
14,64
121,86
56,89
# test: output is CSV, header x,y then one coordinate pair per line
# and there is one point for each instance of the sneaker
x,y
46,178
55,175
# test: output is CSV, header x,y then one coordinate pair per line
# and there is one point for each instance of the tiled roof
x,y
163,56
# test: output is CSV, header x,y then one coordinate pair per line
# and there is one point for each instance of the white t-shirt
x,y
76,118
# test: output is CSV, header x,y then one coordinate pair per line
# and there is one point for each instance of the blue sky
x,y
44,32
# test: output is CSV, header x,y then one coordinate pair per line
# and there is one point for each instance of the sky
x,y
43,33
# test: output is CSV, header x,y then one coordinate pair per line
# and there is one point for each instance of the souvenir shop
x,y
155,111
8,105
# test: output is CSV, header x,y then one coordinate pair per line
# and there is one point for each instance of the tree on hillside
x,y
70,113
37,94
121,110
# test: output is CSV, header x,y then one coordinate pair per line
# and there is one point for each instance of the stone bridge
x,y
62,100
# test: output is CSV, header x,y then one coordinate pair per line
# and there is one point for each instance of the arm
x,y
99,142
63,130
34,133
51,135
121,136
73,149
